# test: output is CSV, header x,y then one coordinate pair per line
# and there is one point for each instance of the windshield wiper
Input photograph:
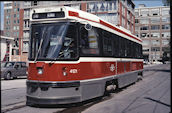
x,y
39,48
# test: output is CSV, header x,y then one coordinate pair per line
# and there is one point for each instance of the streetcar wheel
x,y
15,77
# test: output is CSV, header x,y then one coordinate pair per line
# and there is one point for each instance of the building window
x,y
14,34
17,34
14,21
14,28
26,13
26,35
165,35
17,28
165,42
155,20
165,26
165,12
155,12
112,17
25,46
15,4
144,28
26,24
76,6
144,21
18,9
155,48
8,10
18,21
165,19
18,15
144,13
155,42
34,3
155,27
8,16
136,21
7,33
144,35
15,9
7,22
128,25
123,22
145,49
137,14
27,3
145,42
14,15
155,35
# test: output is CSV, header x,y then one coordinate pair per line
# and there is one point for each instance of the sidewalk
x,y
148,65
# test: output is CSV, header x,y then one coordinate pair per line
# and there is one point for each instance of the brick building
x,y
11,25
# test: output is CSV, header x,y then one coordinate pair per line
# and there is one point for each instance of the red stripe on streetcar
x,y
72,13
83,70
116,29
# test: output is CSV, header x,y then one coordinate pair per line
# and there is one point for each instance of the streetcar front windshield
x,y
53,41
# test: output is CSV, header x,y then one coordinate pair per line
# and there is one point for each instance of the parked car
x,y
157,62
11,70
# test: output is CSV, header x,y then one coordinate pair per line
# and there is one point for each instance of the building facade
x,y
11,25
6,48
118,12
152,25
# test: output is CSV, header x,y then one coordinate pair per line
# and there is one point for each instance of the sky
x,y
148,3
2,15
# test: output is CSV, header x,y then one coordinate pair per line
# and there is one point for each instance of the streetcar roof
x,y
82,16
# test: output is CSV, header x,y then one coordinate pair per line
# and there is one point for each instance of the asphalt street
x,y
152,94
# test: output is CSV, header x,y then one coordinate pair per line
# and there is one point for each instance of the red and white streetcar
x,y
75,56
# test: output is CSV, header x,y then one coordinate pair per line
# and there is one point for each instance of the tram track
x,y
10,89
78,108
13,106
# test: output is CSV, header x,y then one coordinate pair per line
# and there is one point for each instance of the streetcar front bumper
x,y
50,93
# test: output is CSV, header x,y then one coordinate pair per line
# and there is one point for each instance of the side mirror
x,y
88,27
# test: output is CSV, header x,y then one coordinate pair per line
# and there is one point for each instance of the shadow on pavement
x,y
157,101
163,70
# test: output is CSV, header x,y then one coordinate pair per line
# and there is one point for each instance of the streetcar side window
x,y
135,50
116,45
69,48
107,44
121,47
89,41
132,49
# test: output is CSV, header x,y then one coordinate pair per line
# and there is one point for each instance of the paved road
x,y
150,95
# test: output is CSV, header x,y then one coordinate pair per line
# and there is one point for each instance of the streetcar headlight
x,y
40,71
64,71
